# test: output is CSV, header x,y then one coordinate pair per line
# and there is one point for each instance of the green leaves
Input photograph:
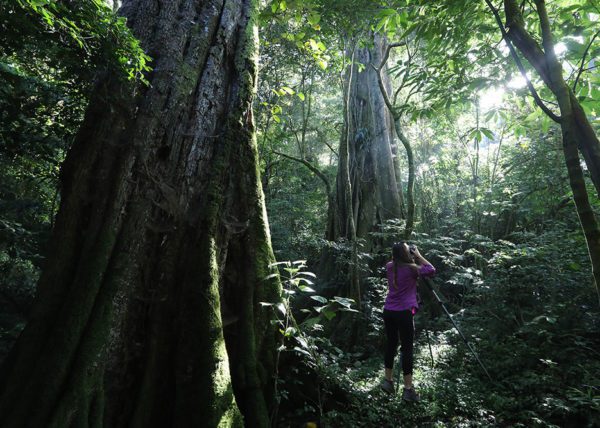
x,y
95,28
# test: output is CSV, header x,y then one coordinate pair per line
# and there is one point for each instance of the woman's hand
x,y
416,252
418,257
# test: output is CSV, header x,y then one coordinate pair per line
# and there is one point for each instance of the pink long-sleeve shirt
x,y
405,295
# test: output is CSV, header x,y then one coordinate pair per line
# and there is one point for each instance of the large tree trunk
x,y
376,193
160,241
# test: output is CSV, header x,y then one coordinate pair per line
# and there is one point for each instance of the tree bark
x,y
385,89
370,140
147,310
346,186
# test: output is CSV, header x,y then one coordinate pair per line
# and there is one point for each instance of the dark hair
x,y
402,257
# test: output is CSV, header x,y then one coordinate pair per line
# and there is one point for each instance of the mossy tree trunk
x,y
147,310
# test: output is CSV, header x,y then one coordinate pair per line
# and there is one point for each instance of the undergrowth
x,y
526,306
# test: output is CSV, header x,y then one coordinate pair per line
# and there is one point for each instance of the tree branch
x,y
330,148
378,70
547,41
520,66
583,60
311,167
406,74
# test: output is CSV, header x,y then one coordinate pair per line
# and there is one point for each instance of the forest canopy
x,y
198,201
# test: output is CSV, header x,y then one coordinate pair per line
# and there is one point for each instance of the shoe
x,y
410,395
387,386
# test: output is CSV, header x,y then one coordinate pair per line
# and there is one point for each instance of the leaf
x,y
312,275
306,289
302,341
343,301
475,135
387,12
319,299
546,123
310,322
478,83
302,351
488,133
281,308
279,263
322,64
314,18
329,314
533,116
300,95
382,23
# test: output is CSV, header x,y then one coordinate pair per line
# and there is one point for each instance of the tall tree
x,y
397,118
147,311
547,66
369,136
577,132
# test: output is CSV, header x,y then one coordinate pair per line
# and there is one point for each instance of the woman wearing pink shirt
x,y
403,271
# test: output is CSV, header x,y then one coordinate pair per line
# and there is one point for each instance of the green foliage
x,y
297,280
92,25
526,307
303,340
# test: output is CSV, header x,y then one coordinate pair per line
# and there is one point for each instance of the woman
x,y
406,267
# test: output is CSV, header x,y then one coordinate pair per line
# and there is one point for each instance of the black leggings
x,y
399,323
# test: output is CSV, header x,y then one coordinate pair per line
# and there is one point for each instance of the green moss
x,y
232,418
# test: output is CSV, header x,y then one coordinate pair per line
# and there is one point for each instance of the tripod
x,y
429,283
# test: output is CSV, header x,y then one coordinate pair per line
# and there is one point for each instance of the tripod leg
x,y
399,370
430,351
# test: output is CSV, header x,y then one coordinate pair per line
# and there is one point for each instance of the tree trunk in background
x,y
577,131
376,193
147,311
550,70
585,212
